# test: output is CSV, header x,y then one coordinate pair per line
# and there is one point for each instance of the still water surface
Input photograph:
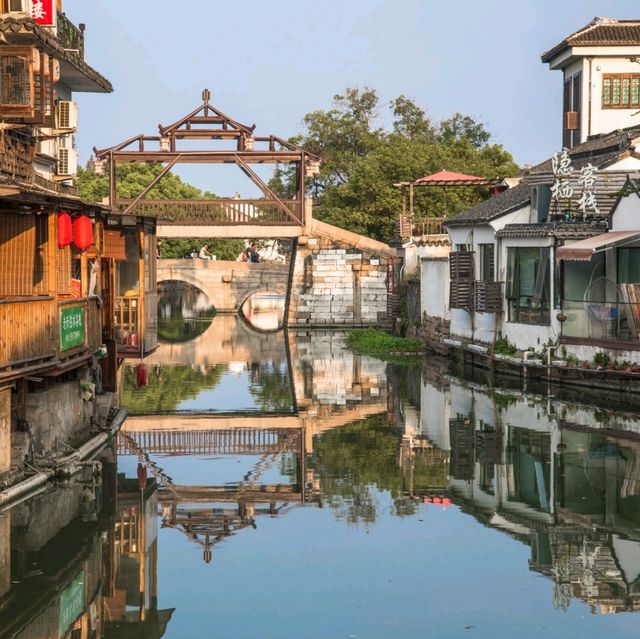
x,y
278,486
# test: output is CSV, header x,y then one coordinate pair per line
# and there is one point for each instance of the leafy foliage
x,y
167,387
361,162
373,340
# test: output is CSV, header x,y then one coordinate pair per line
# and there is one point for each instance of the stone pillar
x,y
5,430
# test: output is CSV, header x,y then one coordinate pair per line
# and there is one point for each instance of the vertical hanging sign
x,y
42,11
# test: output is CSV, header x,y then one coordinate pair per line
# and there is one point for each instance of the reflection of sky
x,y
306,575
231,393
208,470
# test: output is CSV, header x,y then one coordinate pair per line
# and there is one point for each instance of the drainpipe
x,y
590,97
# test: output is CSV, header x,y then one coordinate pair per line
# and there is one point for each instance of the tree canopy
x,y
361,161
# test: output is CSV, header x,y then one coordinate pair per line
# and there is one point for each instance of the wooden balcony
x,y
32,339
70,36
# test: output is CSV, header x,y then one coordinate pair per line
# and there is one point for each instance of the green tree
x,y
361,162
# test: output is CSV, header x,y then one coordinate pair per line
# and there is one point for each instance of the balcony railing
x,y
221,211
428,226
127,323
70,36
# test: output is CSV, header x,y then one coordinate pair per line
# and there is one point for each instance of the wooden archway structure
x,y
210,125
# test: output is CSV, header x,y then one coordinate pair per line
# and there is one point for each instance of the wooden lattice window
x,y
461,273
26,85
621,91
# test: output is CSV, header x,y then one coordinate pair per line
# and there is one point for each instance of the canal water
x,y
272,485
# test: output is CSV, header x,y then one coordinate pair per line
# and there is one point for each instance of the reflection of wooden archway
x,y
206,122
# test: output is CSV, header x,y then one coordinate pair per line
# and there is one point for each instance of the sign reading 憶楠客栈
x,y
42,11
71,327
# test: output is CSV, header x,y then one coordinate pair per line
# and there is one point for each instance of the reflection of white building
x,y
548,473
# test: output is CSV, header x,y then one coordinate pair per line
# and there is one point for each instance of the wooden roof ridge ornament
x,y
208,123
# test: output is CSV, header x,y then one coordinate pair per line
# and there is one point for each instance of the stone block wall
x,y
336,286
58,417
431,330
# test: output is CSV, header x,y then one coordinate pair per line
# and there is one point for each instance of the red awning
x,y
583,250
449,178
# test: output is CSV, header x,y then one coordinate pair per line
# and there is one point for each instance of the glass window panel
x,y
635,91
615,99
606,92
629,265
626,84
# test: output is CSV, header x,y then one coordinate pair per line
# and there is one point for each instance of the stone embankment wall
x,y
338,279
57,417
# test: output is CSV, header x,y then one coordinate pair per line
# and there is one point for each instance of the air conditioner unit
x,y
67,115
67,162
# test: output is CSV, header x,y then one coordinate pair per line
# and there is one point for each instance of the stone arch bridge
x,y
227,284
335,278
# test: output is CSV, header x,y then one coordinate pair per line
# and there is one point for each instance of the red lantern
x,y
142,377
82,232
64,229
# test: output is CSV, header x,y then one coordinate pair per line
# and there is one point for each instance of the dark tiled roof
x,y
563,230
600,32
507,201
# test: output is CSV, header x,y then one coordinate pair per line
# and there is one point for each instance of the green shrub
x,y
503,346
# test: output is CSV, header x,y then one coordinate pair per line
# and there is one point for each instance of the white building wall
x,y
605,120
434,287
626,216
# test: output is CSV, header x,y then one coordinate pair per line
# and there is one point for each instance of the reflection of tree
x,y
354,462
181,316
271,386
167,387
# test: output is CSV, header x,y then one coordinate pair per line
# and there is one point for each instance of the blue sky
x,y
269,63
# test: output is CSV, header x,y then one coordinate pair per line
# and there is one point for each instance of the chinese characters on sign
x,y
42,12
561,188
71,327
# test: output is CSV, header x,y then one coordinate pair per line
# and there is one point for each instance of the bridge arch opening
x,y
184,311
263,309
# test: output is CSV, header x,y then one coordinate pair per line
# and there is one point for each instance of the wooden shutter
x,y
461,434
114,246
488,296
461,273
16,83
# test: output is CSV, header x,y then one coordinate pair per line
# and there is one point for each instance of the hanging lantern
x,y
64,229
82,232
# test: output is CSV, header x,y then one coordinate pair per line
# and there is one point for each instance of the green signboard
x,y
71,602
71,327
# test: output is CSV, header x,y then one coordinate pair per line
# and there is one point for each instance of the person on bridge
x,y
252,254
204,254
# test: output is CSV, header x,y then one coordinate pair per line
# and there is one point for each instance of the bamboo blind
x,y
114,246
17,255
41,266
